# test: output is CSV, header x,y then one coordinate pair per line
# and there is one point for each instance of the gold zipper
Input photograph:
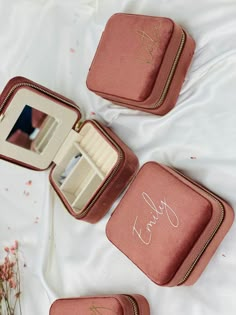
x,y
115,169
78,125
171,74
41,90
134,304
211,236
172,71
2,117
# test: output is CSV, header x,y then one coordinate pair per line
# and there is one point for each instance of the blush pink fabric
x,y
166,221
123,64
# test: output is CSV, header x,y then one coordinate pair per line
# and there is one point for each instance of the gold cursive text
x,y
163,209
99,310
149,43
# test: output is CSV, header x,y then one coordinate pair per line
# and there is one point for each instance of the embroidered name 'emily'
x,y
99,310
149,42
145,235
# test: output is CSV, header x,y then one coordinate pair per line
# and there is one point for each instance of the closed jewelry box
x,y
141,62
169,225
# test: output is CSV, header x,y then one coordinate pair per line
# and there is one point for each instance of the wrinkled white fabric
x,y
53,42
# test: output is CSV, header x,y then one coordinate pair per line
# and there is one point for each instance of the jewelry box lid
x,y
34,122
165,222
130,56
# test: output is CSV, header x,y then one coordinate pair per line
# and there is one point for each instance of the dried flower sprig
x,y
10,289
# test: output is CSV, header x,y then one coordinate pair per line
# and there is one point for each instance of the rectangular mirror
x,y
32,130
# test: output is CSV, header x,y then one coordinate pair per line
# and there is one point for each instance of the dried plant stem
x,y
6,300
18,283
10,282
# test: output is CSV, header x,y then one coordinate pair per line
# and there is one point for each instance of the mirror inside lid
x,y
34,124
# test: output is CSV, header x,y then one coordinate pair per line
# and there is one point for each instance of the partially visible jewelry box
x,y
90,165
117,304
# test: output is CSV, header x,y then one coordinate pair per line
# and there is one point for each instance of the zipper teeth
x,y
171,74
211,236
172,71
134,304
116,168
39,89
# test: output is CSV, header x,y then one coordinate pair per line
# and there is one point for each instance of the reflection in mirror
x,y
32,130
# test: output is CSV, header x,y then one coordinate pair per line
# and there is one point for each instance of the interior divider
x,y
87,192
90,161
72,173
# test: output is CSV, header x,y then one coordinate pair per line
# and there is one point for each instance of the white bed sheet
x,y
53,42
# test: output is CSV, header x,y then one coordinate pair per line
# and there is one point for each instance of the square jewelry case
x,y
169,225
141,62
118,304
90,165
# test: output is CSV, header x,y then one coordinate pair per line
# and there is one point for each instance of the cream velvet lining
x,y
89,173
64,118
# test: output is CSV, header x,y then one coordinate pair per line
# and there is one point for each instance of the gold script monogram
x,y
149,42
99,310
163,209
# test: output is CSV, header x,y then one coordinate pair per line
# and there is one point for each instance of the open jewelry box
x,y
90,165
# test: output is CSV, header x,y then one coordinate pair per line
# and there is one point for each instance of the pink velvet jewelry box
x,y
119,304
141,62
169,225
90,165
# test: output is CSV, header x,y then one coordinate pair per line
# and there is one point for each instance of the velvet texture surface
x,y
141,62
163,222
129,56
53,42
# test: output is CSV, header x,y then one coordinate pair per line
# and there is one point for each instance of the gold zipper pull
x,y
2,117
78,124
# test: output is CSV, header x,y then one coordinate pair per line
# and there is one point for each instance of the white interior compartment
x,y
98,159
85,194
74,184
